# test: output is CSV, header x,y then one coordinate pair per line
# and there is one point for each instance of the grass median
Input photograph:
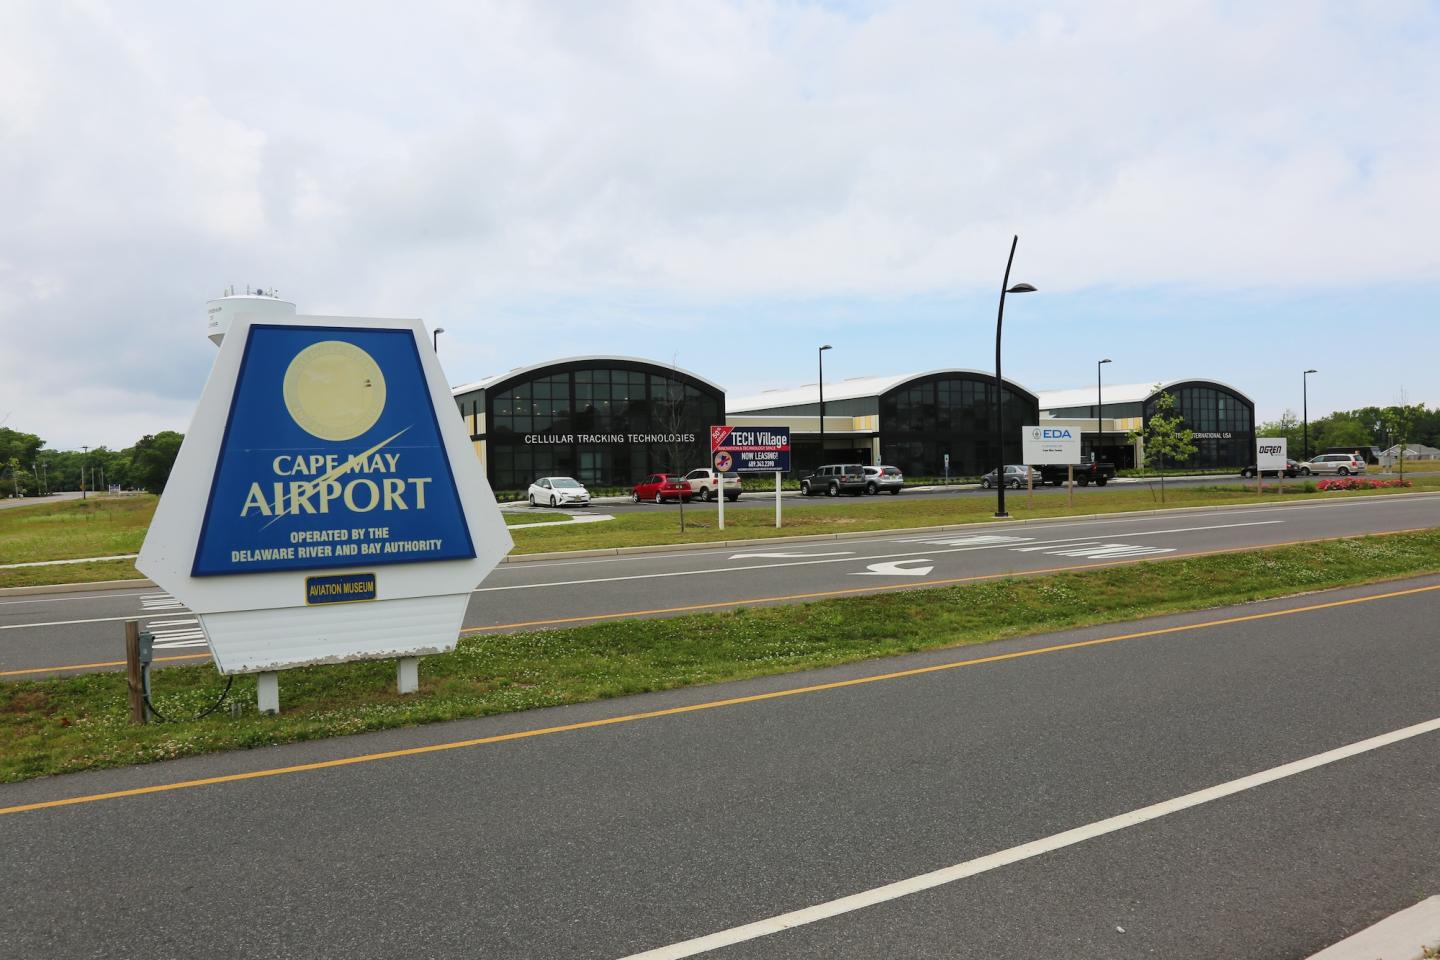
x,y
75,723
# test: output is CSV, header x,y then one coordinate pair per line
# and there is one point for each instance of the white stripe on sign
x,y
1003,858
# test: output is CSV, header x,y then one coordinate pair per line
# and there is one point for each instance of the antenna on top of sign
x,y
221,312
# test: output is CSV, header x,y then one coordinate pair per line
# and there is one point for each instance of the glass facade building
x,y
951,412
602,420
1221,418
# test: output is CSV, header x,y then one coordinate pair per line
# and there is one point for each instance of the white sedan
x,y
559,492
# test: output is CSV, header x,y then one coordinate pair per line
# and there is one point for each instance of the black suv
x,y
834,480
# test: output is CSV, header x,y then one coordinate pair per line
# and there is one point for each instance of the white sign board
x,y
326,504
1270,453
1050,445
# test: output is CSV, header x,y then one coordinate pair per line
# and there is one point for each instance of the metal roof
x,y
486,383
851,389
1121,393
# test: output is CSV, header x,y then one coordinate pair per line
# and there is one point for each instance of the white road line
x,y
74,598
1024,851
65,623
1057,524
850,559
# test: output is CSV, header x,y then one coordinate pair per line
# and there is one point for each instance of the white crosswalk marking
x,y
1097,551
968,540
174,633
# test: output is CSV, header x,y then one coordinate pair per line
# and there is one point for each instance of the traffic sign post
x,y
326,504
752,450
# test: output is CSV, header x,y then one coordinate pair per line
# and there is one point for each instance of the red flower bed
x,y
1359,483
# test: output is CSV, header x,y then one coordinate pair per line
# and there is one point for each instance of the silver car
x,y
884,479
1342,464
1016,476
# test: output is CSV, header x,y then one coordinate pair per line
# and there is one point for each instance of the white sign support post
x,y
326,504
1070,485
720,494
777,499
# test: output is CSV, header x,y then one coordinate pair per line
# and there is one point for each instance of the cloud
x,y
485,160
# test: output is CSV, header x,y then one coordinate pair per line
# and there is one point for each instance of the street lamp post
x,y
1305,408
1099,412
435,339
820,354
999,383
84,462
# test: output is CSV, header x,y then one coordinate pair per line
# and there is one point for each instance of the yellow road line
x,y
103,663
692,708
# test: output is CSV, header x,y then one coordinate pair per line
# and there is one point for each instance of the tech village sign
x,y
326,505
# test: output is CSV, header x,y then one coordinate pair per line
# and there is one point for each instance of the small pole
x,y
133,677
1029,488
407,675
720,495
1070,484
777,499
267,692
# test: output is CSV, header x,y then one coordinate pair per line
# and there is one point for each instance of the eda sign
x,y
1270,453
326,504
1050,445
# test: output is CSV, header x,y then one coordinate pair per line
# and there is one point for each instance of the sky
x,y
1226,190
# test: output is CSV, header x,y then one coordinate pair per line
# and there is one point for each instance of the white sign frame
x,y
1041,448
1271,454
260,622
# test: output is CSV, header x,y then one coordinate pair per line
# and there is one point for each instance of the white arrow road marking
x,y
896,568
790,556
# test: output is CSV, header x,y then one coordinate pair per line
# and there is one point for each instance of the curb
x,y
1400,936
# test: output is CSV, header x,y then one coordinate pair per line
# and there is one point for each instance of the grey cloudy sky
x,y
1222,189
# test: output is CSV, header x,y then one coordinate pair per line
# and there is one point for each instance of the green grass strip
x,y
76,723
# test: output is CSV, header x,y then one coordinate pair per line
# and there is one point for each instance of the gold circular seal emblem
x,y
334,390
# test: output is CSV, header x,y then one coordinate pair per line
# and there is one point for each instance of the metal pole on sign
x,y
777,499
1070,484
1029,487
720,493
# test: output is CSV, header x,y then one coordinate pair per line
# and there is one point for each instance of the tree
x,y
1166,437
1400,422
1288,426
1342,430
151,459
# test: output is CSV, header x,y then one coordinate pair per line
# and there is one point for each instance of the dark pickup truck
x,y
1099,473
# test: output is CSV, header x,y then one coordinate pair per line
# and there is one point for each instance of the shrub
x,y
1359,483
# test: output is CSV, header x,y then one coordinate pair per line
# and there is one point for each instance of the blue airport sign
x,y
331,458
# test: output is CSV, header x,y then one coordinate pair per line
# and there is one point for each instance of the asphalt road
x,y
39,633
613,839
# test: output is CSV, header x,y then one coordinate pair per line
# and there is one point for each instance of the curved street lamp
x,y
1305,408
1099,412
999,382
820,354
435,339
